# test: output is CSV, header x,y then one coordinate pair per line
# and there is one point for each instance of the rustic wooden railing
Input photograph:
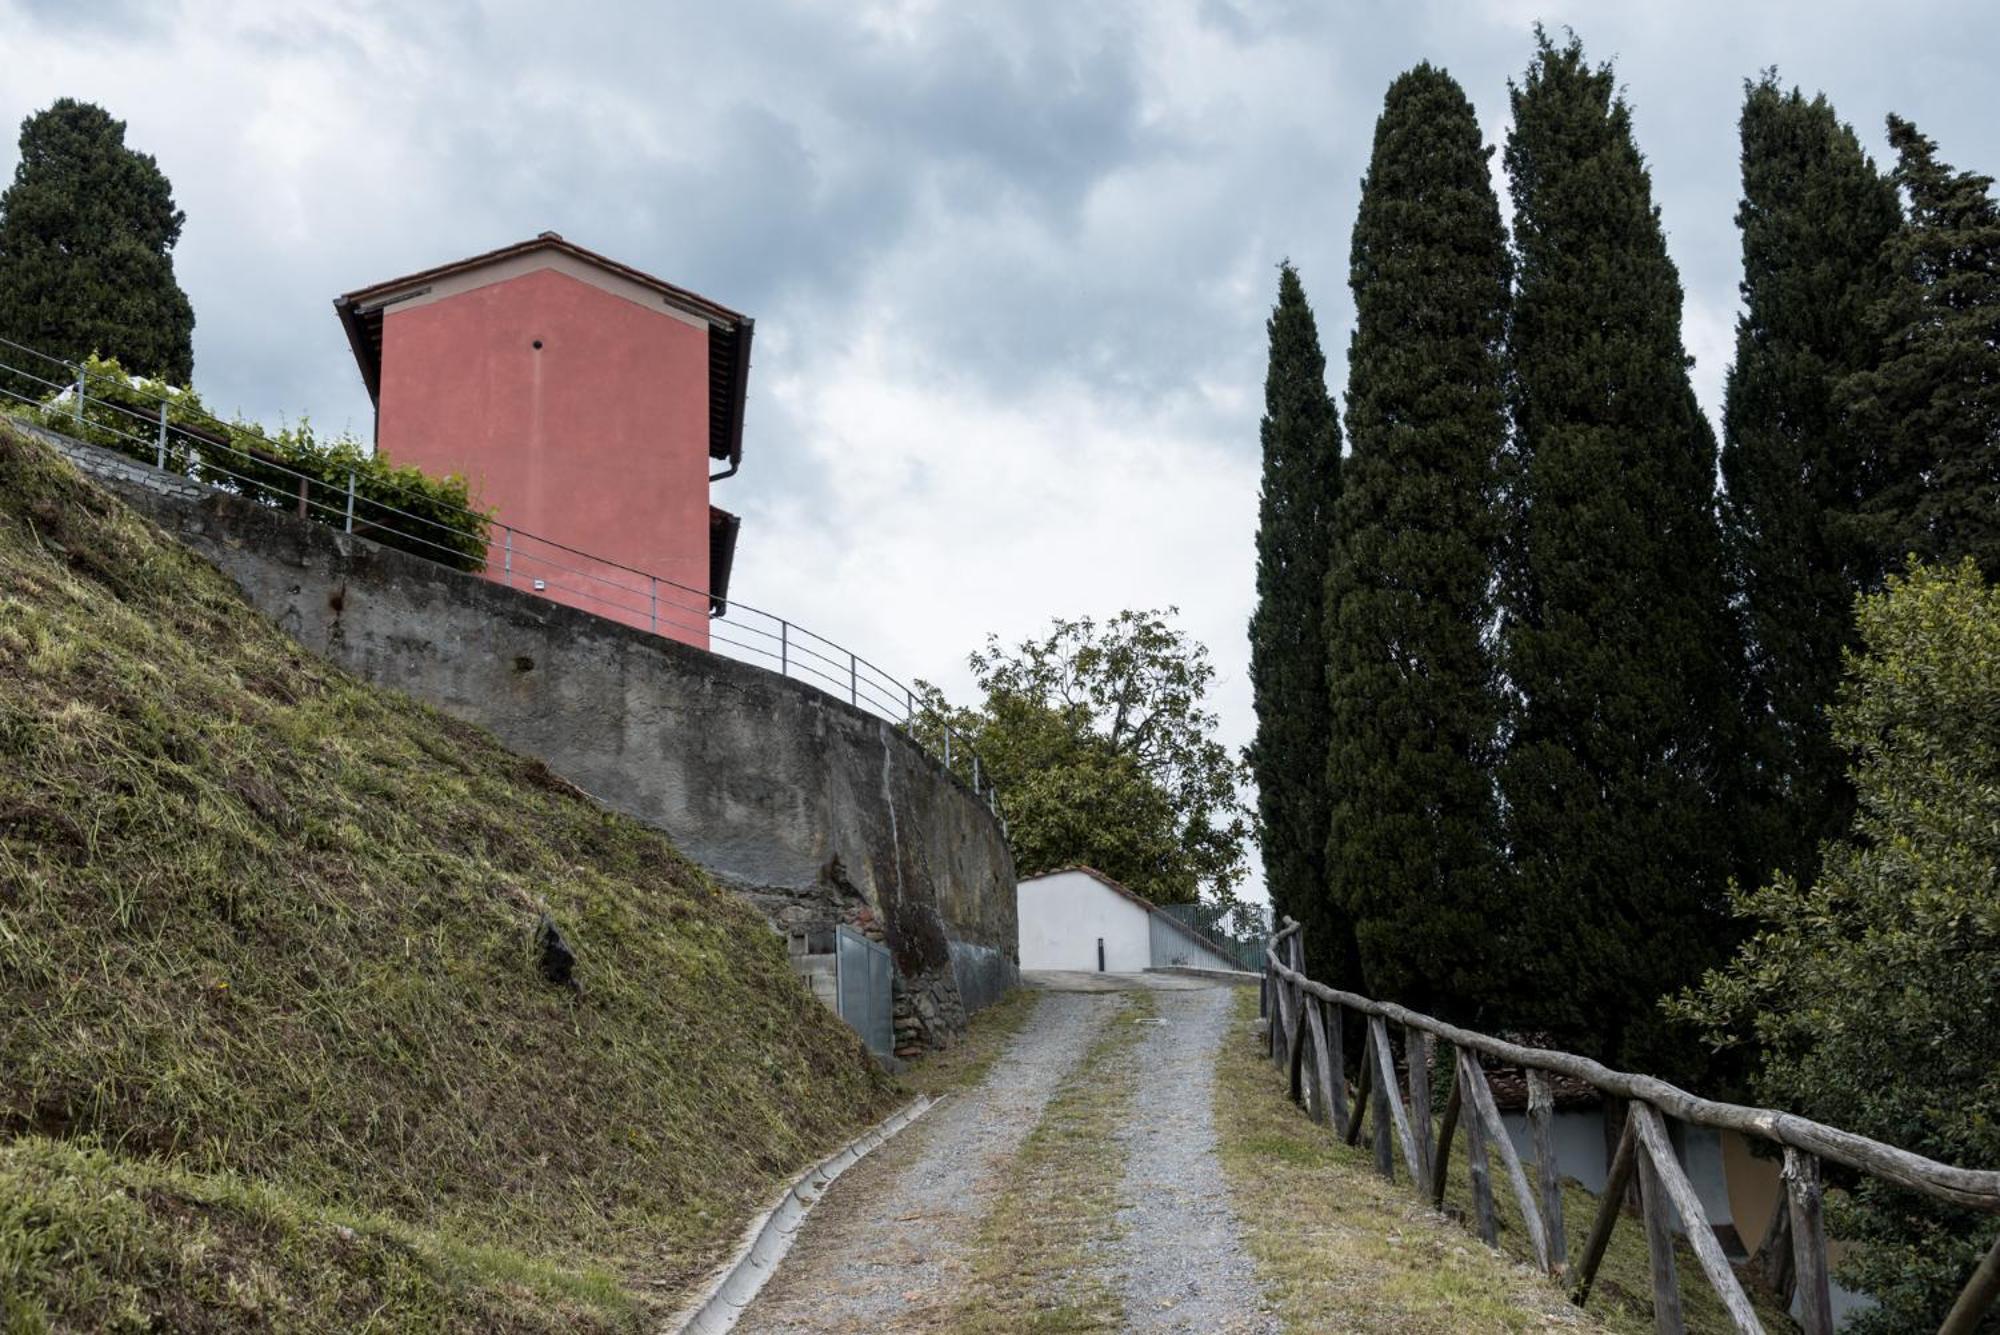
x,y
1307,1034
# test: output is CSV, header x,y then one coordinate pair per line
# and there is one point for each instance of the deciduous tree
x,y
1101,744
1873,992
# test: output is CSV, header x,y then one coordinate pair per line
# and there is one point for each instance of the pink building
x,y
584,401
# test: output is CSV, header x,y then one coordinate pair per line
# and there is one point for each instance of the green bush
x,y
1873,994
290,469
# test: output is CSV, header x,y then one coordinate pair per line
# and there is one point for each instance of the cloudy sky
x,y
1010,262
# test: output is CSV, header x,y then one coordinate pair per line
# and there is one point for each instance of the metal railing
x,y
207,450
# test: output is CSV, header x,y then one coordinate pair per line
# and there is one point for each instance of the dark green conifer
x,y
1814,217
1414,849
1301,442
1930,408
87,232
1617,640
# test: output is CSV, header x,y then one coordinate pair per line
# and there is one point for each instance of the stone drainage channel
x,y
890,1245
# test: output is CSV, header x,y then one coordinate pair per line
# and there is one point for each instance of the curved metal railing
x,y
174,436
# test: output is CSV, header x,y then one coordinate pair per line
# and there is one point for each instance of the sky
x,y
1010,263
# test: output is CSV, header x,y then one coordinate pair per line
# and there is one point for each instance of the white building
x,y
1078,918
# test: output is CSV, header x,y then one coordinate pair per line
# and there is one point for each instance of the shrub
x,y
292,468
1873,993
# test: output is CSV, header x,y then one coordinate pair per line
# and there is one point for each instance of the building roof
x,y
729,332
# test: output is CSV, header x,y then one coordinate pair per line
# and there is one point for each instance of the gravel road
x,y
889,1249
1185,1266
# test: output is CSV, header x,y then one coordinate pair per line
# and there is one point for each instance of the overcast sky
x,y
1010,262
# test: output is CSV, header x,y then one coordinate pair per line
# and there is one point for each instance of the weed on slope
x,y
265,925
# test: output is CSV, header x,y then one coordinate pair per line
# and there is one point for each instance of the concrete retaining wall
x,y
818,811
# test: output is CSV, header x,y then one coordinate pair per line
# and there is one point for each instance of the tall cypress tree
x,y
1301,442
87,232
1414,848
1617,640
1930,408
1814,217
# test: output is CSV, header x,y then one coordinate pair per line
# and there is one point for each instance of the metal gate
x,y
865,985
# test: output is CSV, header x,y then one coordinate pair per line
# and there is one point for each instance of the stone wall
x,y
816,810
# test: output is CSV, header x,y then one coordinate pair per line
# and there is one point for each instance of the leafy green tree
x,y
1617,639
1414,853
1872,993
1931,405
1099,742
87,232
1815,216
1288,758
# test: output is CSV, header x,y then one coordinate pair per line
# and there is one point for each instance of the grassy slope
x,y
1345,1250
266,939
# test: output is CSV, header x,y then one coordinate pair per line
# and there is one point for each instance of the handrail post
x,y
975,771
909,707
853,680
784,648
947,746
350,478
76,408
160,450
655,601
507,546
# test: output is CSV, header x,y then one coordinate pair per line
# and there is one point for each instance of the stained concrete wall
x,y
819,811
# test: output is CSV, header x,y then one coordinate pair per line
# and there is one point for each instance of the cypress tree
x,y
1301,446
1814,217
1414,847
1930,407
1617,640
87,232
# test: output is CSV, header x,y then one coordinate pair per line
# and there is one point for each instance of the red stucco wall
x,y
597,440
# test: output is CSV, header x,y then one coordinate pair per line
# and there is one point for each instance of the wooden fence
x,y
1307,1032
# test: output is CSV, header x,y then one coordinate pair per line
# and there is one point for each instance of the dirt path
x,y
892,1246
889,1249
1185,1266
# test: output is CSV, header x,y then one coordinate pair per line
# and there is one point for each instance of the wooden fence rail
x,y
1307,1024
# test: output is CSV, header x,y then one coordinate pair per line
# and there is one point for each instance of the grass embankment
x,y
277,1052
1340,1249
1047,1251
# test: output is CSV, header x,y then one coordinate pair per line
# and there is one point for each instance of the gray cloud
x,y
1010,264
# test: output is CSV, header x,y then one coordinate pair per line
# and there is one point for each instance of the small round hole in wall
x,y
538,345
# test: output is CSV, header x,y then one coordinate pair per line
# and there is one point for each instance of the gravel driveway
x,y
1185,1265
889,1247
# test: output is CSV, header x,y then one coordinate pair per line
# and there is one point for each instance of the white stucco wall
x,y
1062,915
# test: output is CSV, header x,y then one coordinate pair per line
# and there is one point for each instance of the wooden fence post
x,y
1480,1095
1475,1152
1801,1178
1609,1206
1977,1297
1381,1098
1391,1103
1417,1056
1667,1173
1327,1084
1542,1118
1447,1126
1659,1244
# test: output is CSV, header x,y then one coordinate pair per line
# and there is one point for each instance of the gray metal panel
x,y
865,985
984,975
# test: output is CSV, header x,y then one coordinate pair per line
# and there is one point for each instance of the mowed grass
x,y
268,971
1047,1251
1342,1250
